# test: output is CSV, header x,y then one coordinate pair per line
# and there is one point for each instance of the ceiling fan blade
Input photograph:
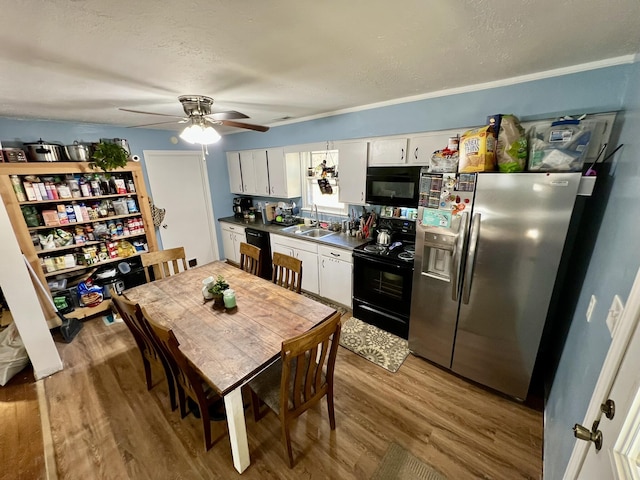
x,y
230,123
150,113
228,115
157,123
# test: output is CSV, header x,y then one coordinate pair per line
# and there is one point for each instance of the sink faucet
x,y
315,206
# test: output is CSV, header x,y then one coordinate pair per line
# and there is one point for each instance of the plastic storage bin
x,y
562,146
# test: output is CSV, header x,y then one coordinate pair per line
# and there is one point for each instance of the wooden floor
x,y
105,424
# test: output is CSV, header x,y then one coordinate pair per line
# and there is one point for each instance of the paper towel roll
x,y
134,158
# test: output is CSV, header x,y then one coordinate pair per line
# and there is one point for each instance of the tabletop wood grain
x,y
228,347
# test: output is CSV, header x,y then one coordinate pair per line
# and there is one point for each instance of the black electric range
x,y
383,277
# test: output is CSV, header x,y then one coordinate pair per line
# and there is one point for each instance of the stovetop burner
x,y
406,255
397,252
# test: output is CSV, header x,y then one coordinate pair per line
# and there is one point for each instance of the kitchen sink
x,y
312,232
297,229
317,233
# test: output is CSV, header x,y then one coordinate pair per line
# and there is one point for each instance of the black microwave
x,y
395,186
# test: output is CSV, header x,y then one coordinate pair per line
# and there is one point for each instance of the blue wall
x,y
610,272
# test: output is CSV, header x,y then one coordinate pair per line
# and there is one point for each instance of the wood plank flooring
x,y
21,446
105,424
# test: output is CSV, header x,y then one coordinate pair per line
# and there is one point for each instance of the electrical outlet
x,y
592,305
615,312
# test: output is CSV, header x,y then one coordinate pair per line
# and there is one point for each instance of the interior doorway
x,y
179,183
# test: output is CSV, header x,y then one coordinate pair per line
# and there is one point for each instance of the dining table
x,y
229,347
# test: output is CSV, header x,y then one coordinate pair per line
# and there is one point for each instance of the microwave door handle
x,y
456,265
471,258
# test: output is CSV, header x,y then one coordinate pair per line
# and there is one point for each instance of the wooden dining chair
x,y
250,259
149,349
299,380
287,271
164,262
190,383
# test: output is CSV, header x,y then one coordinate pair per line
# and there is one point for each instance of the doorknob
x,y
608,408
594,435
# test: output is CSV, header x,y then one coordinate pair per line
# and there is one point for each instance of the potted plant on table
x,y
219,286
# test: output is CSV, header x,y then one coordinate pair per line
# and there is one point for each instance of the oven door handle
x,y
370,259
456,265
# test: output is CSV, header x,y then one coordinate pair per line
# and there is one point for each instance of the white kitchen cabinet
x,y
422,146
235,174
284,173
232,237
305,251
388,151
261,171
353,172
336,279
268,173
247,167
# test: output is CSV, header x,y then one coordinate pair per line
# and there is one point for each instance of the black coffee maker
x,y
240,205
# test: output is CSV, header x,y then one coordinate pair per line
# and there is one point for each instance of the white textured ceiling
x,y
80,60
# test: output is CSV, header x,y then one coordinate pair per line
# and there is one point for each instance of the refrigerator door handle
x,y
456,265
471,258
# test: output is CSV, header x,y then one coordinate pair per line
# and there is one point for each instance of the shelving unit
x,y
23,232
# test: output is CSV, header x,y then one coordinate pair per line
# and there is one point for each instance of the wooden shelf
x,y
79,268
101,219
86,244
85,312
23,233
77,199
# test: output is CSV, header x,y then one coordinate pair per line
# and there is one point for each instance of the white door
x,y
619,381
179,183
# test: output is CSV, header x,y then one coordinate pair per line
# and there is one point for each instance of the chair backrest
x,y
184,373
287,271
127,311
250,260
162,261
308,362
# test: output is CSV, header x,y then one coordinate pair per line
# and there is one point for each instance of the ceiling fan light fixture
x,y
197,133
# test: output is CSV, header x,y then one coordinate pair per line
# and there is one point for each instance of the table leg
x,y
237,429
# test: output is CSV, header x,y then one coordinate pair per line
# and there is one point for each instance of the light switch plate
x,y
614,315
592,305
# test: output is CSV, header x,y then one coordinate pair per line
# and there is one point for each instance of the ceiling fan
x,y
200,118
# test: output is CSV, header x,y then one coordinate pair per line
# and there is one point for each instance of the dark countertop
x,y
339,239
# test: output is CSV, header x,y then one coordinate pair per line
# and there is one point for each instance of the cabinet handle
x,y
402,154
323,263
335,254
415,153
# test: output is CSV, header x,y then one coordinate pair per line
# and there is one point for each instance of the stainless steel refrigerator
x,y
483,277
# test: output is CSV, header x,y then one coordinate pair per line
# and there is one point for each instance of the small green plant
x,y
219,286
109,156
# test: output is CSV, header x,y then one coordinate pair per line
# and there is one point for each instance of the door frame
x,y
623,332
206,187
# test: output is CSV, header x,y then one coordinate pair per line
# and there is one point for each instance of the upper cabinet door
x,y
235,174
391,151
284,173
248,172
260,168
421,147
352,172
